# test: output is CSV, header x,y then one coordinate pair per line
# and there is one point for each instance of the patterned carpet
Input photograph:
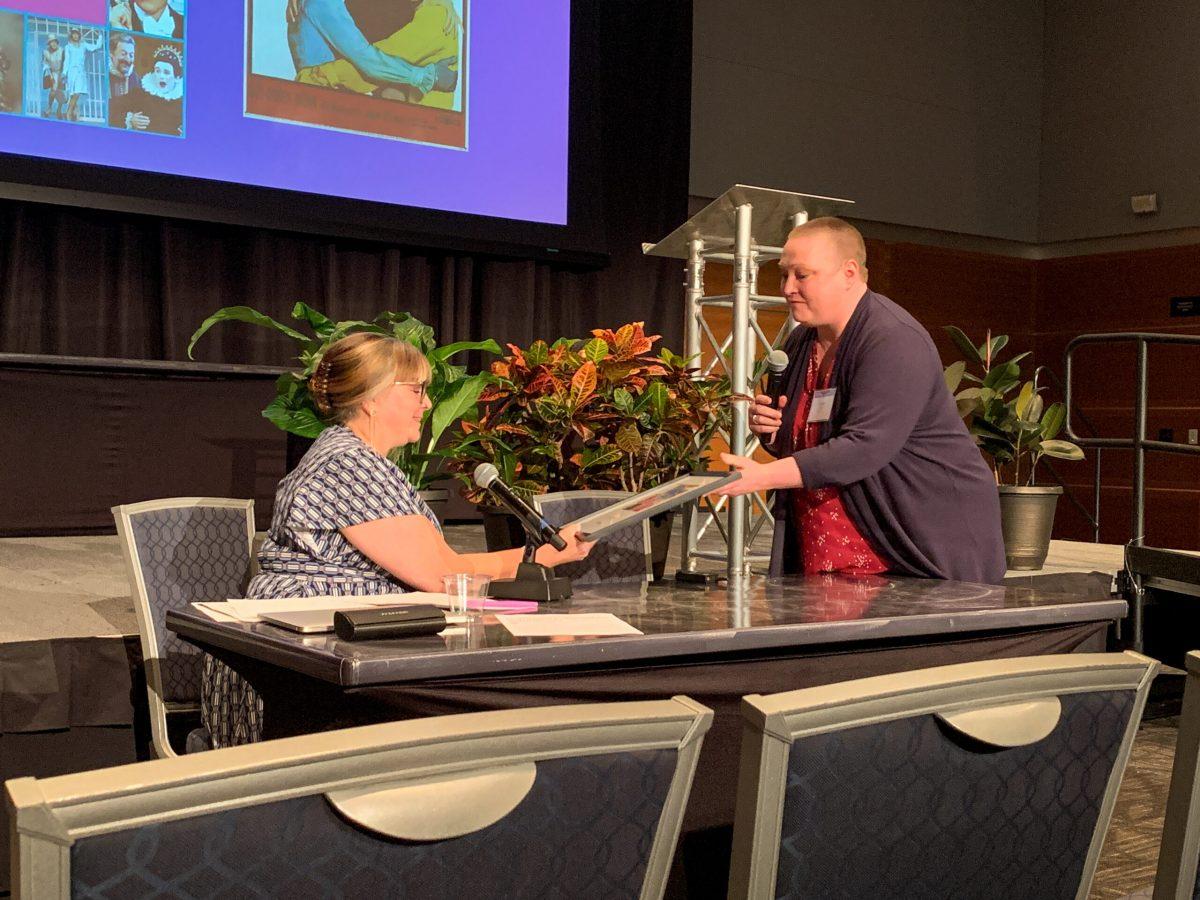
x,y
1130,852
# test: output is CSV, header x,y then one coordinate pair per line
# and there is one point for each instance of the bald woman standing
x,y
876,471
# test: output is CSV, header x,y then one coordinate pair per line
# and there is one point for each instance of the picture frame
x,y
668,495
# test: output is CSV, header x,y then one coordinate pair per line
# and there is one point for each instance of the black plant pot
x,y
660,542
436,499
502,531
296,448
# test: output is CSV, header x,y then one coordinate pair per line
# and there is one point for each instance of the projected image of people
x,y
146,78
53,56
78,78
63,58
161,18
368,101
122,51
11,29
407,52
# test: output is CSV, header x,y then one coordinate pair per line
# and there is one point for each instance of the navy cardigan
x,y
912,480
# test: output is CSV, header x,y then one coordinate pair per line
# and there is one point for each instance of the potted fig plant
x,y
1014,429
452,392
587,414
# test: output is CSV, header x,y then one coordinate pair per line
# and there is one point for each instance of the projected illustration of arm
x,y
431,37
323,30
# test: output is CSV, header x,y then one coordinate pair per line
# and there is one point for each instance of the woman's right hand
x,y
577,548
765,418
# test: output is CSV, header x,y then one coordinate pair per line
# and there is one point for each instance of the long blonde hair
x,y
359,366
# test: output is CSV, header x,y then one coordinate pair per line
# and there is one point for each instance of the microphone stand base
x,y
533,582
705,578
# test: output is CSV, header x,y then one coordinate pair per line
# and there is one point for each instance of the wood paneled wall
x,y
1127,291
1041,305
974,291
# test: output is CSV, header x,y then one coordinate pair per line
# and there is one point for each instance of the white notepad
x,y
250,610
559,624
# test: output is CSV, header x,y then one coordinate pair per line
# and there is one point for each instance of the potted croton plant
x,y
452,391
589,414
1014,429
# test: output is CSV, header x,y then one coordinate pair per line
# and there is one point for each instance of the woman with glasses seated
x,y
346,520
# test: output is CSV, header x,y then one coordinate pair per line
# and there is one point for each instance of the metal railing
x,y
1139,443
1092,517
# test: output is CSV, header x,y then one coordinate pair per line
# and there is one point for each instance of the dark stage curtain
x,y
85,282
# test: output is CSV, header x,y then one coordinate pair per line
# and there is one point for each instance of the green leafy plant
x,y
453,393
1006,416
600,413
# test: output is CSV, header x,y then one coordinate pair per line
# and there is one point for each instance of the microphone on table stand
x,y
533,580
487,476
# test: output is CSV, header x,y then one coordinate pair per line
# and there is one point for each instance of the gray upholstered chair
x,y
572,801
1179,855
178,551
622,557
985,779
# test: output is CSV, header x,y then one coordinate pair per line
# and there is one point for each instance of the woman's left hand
x,y
756,476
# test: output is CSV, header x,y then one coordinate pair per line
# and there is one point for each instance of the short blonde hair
x,y
849,240
357,367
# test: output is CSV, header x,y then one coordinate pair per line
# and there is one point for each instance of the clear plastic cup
x,y
458,588
462,588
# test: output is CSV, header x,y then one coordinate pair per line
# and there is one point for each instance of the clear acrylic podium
x,y
745,226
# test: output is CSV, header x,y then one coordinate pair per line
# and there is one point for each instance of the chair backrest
x,y
1179,855
178,551
992,778
622,557
582,800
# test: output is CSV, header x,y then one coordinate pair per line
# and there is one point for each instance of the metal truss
x,y
724,231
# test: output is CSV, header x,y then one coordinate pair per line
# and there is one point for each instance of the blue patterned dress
x,y
339,482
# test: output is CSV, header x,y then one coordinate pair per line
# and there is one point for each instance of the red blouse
x,y
829,540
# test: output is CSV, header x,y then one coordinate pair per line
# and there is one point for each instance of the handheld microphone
x,y
487,476
777,362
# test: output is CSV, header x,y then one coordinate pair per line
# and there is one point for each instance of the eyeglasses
x,y
422,385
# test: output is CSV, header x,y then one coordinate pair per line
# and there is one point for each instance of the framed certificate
x,y
649,503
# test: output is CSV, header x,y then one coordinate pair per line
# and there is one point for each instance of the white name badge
x,y
822,405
